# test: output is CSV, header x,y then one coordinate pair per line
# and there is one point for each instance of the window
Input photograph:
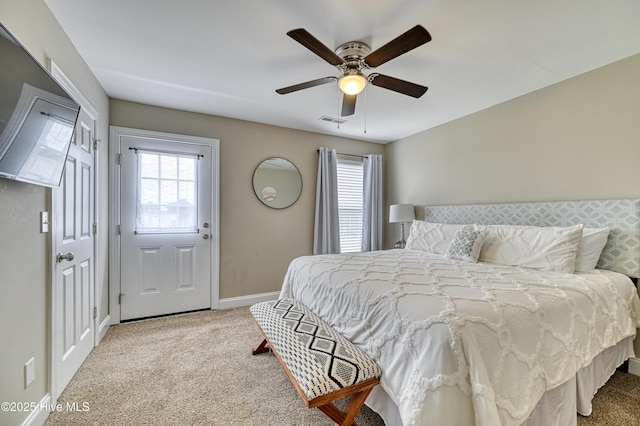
x,y
350,204
166,196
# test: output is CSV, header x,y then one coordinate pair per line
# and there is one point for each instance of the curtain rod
x,y
348,155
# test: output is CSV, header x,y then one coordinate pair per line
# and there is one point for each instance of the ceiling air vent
x,y
332,119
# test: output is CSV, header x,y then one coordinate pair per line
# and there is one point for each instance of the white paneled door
x,y
166,229
74,257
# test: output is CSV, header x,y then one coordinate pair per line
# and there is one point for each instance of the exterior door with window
x,y
166,226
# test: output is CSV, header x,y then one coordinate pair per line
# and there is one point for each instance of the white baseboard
x,y
236,302
38,416
634,366
103,328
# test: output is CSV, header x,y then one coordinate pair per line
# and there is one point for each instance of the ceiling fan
x,y
353,57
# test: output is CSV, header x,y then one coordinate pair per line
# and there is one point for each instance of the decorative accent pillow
x,y
590,248
466,245
432,237
552,248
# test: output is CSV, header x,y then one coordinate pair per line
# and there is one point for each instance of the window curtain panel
x,y
372,202
326,229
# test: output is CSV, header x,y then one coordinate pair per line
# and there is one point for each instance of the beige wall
x,y
24,251
576,140
256,242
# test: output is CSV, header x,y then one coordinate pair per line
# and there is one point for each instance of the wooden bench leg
x,y
347,417
261,348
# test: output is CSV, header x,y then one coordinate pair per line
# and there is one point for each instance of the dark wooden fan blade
x,y
400,86
348,105
305,85
303,37
416,36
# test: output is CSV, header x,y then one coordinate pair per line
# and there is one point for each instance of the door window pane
x,y
149,166
166,196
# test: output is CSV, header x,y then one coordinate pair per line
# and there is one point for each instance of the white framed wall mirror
x,y
277,183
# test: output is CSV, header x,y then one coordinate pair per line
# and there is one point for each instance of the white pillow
x,y
552,248
432,237
590,248
466,245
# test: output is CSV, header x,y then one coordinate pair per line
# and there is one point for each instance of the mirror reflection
x,y
277,183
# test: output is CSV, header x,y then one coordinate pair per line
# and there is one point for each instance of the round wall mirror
x,y
277,183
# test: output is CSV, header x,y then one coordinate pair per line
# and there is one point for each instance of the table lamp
x,y
401,213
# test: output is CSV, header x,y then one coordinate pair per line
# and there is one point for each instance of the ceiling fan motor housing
x,y
353,53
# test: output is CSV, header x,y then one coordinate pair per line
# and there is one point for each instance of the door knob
x,y
205,236
68,256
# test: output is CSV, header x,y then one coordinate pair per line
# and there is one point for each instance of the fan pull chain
x,y
365,109
339,98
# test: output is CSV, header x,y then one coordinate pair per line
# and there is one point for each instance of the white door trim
x,y
77,96
115,133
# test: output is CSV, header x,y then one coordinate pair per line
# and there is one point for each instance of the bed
x,y
495,339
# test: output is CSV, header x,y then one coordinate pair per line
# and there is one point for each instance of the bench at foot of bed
x,y
322,364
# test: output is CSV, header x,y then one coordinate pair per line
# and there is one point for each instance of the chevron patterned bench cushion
x,y
320,359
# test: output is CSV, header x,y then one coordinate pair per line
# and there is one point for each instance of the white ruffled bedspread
x,y
462,343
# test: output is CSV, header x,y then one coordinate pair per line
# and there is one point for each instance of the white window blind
x,y
350,204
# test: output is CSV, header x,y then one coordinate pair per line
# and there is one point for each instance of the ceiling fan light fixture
x,y
352,83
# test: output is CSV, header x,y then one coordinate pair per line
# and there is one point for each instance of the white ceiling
x,y
227,57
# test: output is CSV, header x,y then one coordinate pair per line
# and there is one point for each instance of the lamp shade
x,y
401,213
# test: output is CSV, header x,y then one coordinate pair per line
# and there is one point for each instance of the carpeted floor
x,y
197,369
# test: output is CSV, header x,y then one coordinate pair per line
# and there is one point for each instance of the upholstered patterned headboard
x,y
622,217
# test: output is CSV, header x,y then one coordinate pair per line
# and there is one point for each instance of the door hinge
x,y
119,159
95,312
120,298
95,144
95,228
117,229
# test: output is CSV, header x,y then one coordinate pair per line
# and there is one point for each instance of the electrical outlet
x,y
29,372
